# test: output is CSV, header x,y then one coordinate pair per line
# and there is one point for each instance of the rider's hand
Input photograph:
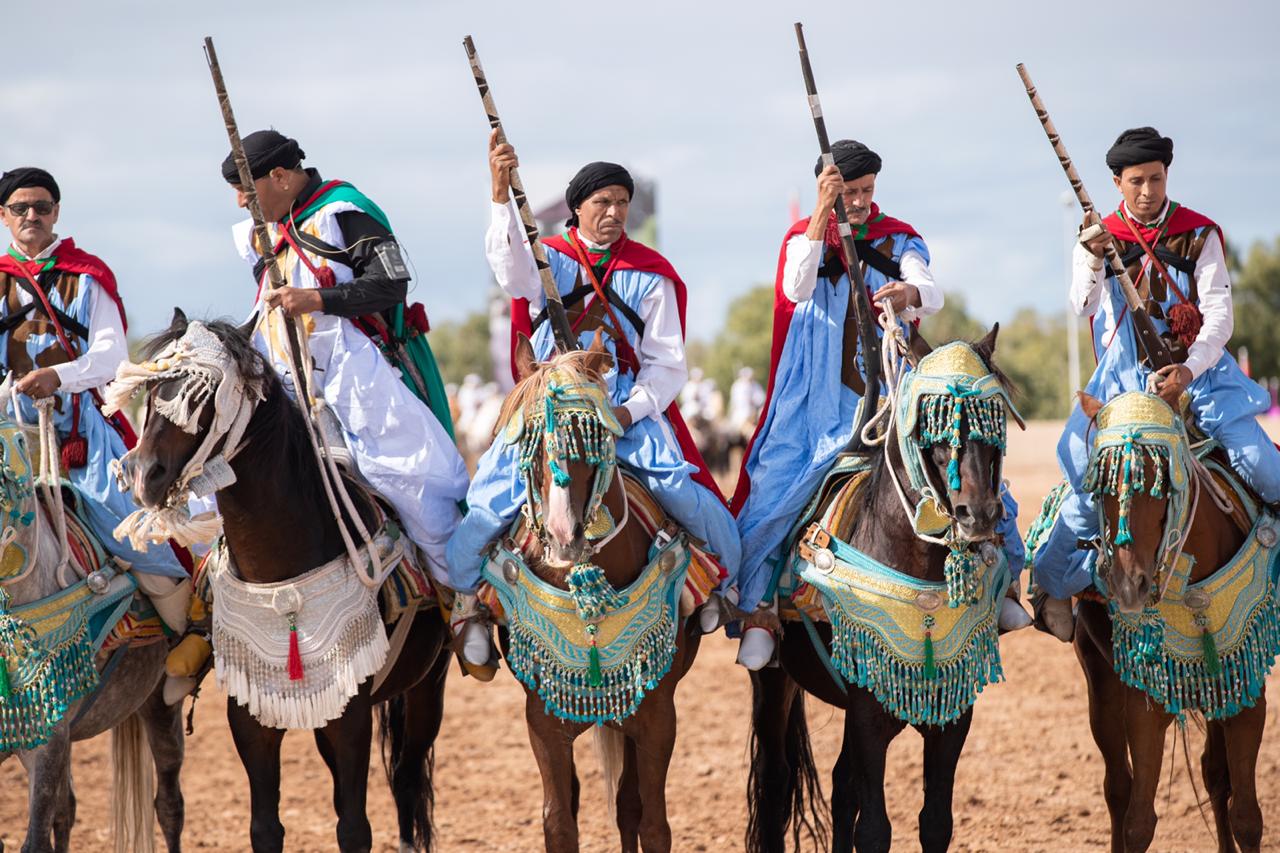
x,y
1098,245
295,300
39,383
502,159
623,414
1176,379
900,294
830,186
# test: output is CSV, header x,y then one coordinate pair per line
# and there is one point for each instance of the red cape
x,y
68,258
627,254
877,226
1182,220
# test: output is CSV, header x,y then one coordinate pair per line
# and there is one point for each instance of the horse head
x,y
1139,474
950,424
560,415
201,382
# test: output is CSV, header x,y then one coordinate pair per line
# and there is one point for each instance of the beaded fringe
x,y
565,688
45,682
984,416
1120,470
902,686
1143,661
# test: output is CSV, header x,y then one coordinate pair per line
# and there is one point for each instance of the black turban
x,y
27,176
853,159
593,177
265,150
1139,145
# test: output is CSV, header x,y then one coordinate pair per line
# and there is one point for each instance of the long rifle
x,y
566,341
868,339
301,377
1154,346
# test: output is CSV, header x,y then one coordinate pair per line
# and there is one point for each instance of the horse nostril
x,y
578,531
963,513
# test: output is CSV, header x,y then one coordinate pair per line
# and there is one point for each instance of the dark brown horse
x,y
1129,726
278,488
784,792
636,752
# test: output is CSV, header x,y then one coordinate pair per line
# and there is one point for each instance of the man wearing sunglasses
x,y
62,335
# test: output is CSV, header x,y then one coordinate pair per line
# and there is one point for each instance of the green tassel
x,y
1211,661
930,665
558,474
594,675
953,472
1123,534
5,690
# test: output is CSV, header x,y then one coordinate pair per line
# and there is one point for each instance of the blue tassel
x,y
1123,535
953,472
558,475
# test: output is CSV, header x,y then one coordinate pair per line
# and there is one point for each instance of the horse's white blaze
x,y
559,515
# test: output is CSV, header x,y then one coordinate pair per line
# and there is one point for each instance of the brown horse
x,y
636,751
1128,725
784,793
278,488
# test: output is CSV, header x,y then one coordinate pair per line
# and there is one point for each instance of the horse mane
x,y
531,391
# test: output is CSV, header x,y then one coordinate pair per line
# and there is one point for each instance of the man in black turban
x,y
606,217
1139,145
28,176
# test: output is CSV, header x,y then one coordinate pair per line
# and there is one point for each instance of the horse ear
x,y
178,324
1089,404
988,343
917,346
249,325
526,362
598,358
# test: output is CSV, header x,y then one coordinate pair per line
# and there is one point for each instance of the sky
x,y
706,98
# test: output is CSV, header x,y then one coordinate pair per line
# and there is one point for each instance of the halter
x,y
575,423
1132,429
949,389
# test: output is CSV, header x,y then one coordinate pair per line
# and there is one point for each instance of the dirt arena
x,y
1030,778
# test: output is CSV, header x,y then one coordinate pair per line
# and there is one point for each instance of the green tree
x,y
1256,286
462,347
743,342
952,323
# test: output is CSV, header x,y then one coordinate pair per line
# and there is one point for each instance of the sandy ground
x,y
1030,778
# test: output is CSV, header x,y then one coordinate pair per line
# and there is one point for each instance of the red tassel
x,y
1184,321
75,452
325,277
295,656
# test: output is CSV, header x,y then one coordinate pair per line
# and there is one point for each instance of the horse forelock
x,y
529,395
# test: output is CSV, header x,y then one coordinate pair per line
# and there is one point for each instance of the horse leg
x,y
331,761
1106,697
1243,738
552,744
772,779
868,729
412,759
1217,782
655,742
942,748
348,737
844,801
163,726
1145,725
47,767
259,751
64,819
627,801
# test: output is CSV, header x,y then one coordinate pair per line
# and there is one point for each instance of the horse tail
x,y
133,788
610,744
410,780
784,790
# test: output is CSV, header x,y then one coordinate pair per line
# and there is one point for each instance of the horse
x,y
124,695
784,792
1157,509
592,557
278,487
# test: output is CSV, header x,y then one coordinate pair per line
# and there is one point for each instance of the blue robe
x,y
648,449
103,504
810,419
1224,401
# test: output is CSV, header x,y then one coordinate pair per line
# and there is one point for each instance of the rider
x,y
745,399
814,386
647,300
1187,291
344,275
63,327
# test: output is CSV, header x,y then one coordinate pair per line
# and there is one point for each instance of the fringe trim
x,y
1143,661
902,686
565,688
43,685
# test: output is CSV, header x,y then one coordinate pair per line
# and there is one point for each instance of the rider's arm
x,y
663,370
380,278
510,257
1213,285
800,269
1086,281
106,349
916,272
